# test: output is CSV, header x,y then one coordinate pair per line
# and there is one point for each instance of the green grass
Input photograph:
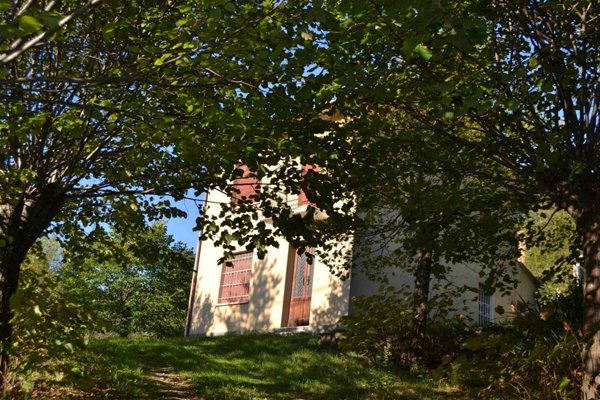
x,y
243,367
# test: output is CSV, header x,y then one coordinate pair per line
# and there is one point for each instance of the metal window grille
x,y
235,279
300,276
485,306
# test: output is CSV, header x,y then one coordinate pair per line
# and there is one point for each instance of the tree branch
x,y
16,48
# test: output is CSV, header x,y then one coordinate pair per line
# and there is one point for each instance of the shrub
x,y
48,324
538,356
380,330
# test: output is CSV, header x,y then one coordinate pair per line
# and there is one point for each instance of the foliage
x,y
552,248
109,107
50,324
237,367
114,109
537,357
513,81
137,283
480,76
380,329
126,103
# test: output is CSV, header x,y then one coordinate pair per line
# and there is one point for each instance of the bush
x,y
537,357
380,330
48,324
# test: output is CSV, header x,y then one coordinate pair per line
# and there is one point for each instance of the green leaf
x,y
9,31
51,20
423,52
547,86
449,115
27,385
16,299
5,5
306,35
108,31
160,61
533,62
564,383
30,24
216,13
37,311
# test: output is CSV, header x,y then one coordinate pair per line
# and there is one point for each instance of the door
x,y
299,314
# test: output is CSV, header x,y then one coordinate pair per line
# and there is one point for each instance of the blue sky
x,y
182,228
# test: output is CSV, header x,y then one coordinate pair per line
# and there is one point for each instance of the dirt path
x,y
171,385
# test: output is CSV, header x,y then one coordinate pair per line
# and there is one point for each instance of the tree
x,y
516,81
109,104
138,282
417,214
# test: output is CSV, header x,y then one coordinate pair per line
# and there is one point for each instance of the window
x,y
303,280
485,305
235,279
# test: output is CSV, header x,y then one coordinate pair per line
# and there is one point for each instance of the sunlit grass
x,y
248,367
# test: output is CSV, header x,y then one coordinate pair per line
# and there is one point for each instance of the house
x,y
284,291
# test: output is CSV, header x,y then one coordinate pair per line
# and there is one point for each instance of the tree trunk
x,y
11,257
20,226
588,227
420,298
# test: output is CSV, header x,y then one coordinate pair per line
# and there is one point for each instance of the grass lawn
x,y
239,367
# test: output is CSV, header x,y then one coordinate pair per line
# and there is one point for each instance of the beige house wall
x,y
265,309
468,274
331,296
465,275
525,292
